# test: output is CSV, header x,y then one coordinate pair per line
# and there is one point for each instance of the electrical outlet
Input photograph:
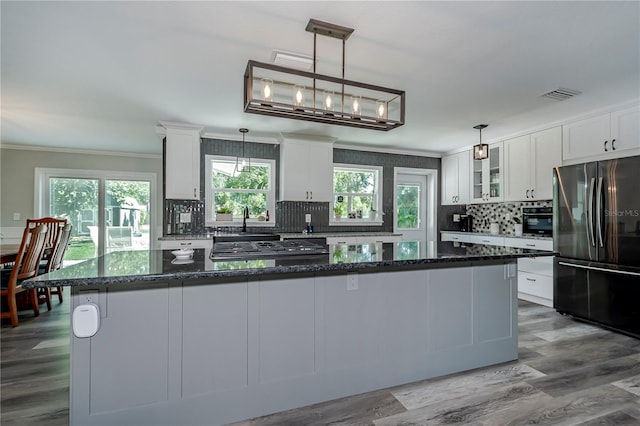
x,y
16,216
507,216
307,218
88,296
352,281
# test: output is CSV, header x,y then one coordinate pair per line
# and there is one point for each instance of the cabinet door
x,y
182,164
464,167
495,173
306,171
517,152
486,178
320,171
449,179
585,138
477,180
625,129
546,153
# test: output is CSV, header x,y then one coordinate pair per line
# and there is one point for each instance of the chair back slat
x,y
29,254
54,231
61,248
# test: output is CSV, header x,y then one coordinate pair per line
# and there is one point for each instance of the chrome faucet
x,y
245,216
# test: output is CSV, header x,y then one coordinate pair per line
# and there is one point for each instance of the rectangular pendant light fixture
x,y
279,91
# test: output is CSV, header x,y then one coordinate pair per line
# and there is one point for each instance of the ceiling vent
x,y
560,94
291,59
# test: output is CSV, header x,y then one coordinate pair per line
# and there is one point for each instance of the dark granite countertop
x,y
284,235
160,265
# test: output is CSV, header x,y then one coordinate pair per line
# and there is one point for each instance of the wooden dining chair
x,y
55,262
26,266
54,233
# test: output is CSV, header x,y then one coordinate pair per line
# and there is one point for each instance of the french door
x,y
414,204
109,211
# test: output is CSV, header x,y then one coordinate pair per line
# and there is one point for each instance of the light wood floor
x,y
569,373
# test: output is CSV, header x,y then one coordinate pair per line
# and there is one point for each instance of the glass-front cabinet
x,y
487,176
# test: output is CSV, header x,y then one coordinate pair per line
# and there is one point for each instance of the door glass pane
x,y
408,206
126,215
77,201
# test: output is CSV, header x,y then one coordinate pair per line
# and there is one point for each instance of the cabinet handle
x,y
194,193
307,197
486,241
530,245
605,146
311,195
455,238
613,147
532,193
531,279
527,194
185,244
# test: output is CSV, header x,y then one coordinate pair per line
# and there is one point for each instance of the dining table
x,y
8,252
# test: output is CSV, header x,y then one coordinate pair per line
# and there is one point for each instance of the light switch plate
x,y
185,217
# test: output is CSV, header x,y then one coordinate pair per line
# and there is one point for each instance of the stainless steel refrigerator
x,y
596,231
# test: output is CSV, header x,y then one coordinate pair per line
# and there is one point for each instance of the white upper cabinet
x,y
487,180
306,169
182,162
529,162
603,136
455,178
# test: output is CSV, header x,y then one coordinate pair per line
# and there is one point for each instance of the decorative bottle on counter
x,y
267,216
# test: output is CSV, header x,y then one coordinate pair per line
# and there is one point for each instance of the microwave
x,y
537,221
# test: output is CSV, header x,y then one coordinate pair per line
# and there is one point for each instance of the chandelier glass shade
x,y
279,91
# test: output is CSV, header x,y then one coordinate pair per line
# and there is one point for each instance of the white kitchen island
x,y
215,342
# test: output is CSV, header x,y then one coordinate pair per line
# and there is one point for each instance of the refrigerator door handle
x,y
599,210
590,231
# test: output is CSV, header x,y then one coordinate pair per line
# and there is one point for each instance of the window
x,y
357,193
229,192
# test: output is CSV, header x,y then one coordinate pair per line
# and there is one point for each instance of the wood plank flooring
x,y
568,373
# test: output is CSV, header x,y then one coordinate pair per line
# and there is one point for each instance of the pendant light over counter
x,y
480,151
243,164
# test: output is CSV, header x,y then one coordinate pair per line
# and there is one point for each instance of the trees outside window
x,y
356,191
231,191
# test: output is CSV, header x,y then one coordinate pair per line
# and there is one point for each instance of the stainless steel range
x,y
253,249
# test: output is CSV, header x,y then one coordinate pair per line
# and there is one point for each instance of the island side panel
x,y
249,347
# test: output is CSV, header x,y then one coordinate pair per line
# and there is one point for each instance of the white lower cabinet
x,y
535,280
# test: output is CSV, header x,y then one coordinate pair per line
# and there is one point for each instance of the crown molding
x,y
388,150
80,151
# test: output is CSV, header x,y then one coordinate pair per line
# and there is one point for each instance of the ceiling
x,y
102,75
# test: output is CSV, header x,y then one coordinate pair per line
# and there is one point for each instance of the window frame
x,y
209,192
377,197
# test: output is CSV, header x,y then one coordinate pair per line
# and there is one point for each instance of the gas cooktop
x,y
252,249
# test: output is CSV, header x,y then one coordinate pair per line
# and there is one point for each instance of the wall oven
x,y
537,221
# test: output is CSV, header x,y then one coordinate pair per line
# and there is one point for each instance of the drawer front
x,y
342,240
179,244
489,240
535,284
455,237
536,265
530,243
379,239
